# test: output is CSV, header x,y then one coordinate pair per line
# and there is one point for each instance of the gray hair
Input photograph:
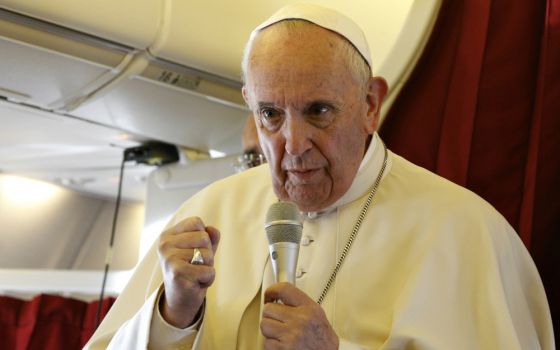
x,y
358,66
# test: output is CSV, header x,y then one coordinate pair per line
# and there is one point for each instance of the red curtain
x,y
482,108
47,322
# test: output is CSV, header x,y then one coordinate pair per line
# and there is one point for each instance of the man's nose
x,y
298,135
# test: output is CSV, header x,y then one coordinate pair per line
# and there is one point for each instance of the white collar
x,y
365,177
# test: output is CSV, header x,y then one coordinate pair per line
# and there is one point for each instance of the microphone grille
x,y
283,223
283,211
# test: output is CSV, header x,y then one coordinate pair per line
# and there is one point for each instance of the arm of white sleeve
x,y
134,333
148,330
344,344
165,336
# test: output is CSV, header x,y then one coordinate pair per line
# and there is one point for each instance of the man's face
x,y
312,115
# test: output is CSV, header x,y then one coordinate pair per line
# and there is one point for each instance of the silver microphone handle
x,y
284,257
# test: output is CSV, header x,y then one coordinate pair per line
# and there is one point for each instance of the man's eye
x,y
321,114
318,109
268,113
271,118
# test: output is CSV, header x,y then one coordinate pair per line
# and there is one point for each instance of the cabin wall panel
x,y
43,226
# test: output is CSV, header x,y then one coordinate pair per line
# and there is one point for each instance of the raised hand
x,y
185,283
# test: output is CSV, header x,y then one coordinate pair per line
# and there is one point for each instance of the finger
x,y
214,235
193,239
193,223
201,274
204,275
186,255
272,329
276,311
288,294
272,344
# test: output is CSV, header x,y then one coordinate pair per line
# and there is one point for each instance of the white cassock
x,y
433,267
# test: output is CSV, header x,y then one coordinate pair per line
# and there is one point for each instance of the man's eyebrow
x,y
266,104
328,103
307,106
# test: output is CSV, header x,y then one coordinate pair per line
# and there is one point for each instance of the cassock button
x,y
312,214
300,272
306,240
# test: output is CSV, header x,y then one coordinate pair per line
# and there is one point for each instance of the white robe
x,y
433,267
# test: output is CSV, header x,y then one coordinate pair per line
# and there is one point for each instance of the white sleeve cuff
x,y
165,336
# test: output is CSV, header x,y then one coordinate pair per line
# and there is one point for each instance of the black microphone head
x,y
283,223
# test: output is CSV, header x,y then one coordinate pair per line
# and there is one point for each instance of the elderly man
x,y
393,257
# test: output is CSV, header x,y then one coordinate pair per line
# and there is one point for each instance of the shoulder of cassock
x,y
463,252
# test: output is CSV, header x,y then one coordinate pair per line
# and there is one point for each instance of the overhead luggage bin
x,y
74,73
127,22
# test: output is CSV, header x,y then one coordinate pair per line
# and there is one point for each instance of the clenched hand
x,y
185,284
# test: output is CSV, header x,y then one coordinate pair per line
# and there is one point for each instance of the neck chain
x,y
354,230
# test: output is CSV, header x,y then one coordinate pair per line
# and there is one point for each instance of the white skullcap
x,y
323,17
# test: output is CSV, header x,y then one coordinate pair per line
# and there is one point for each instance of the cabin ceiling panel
x,y
128,22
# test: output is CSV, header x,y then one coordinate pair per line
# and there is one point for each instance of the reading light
x,y
152,153
216,154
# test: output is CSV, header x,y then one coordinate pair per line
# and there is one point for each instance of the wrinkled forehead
x,y
305,57
295,38
299,31
284,55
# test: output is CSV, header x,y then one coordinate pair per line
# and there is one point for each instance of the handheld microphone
x,y
283,229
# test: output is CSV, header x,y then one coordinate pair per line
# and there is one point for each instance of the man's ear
x,y
245,94
246,97
376,91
